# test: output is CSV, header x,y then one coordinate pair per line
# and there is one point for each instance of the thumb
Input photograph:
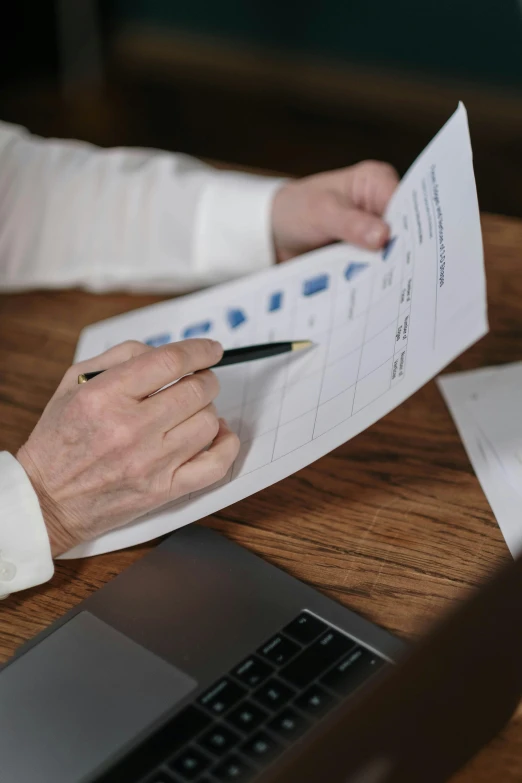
x,y
355,226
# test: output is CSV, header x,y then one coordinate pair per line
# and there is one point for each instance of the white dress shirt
x,y
75,215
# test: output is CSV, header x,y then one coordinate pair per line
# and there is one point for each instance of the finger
x,y
192,436
353,225
149,372
184,399
371,184
208,466
114,356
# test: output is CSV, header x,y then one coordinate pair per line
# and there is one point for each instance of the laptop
x,y
204,663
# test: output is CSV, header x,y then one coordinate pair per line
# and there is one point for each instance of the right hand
x,y
105,452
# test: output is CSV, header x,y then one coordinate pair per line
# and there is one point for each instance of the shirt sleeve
x,y
72,214
25,550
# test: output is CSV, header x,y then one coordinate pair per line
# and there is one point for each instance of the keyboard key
x,y
261,747
315,660
183,728
190,764
171,738
253,671
279,650
219,740
274,694
222,696
315,701
288,723
246,716
353,670
233,768
305,628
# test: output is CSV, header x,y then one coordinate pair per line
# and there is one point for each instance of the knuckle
x,y
134,347
377,167
211,382
121,434
172,361
216,469
196,388
89,402
209,422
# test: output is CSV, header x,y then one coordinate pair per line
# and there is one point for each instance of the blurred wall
x,y
477,40
290,87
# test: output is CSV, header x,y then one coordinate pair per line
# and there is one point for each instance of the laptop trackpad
x,y
80,695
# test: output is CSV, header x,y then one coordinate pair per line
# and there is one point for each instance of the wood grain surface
x,y
393,524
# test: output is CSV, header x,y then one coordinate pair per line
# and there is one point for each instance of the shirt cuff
x,y
234,225
25,550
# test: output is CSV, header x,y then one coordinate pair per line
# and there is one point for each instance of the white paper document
x,y
485,405
383,323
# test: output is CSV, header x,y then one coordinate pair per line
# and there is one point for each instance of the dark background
x,y
290,87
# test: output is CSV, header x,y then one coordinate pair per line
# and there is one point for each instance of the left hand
x,y
346,205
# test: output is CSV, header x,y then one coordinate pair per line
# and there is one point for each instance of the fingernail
x,y
375,236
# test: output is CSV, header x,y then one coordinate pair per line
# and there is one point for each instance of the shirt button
x,y
7,570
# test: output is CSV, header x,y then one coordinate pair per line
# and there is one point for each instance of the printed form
x,y
383,323
485,405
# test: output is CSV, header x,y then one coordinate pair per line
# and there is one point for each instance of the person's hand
x,y
105,452
347,205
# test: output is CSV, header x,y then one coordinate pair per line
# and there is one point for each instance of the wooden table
x,y
393,524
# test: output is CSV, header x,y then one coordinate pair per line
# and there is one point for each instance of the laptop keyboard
x,y
247,718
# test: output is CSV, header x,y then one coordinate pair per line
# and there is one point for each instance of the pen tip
x,y
299,345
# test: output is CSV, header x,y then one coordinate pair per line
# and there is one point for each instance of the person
x,y
71,214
